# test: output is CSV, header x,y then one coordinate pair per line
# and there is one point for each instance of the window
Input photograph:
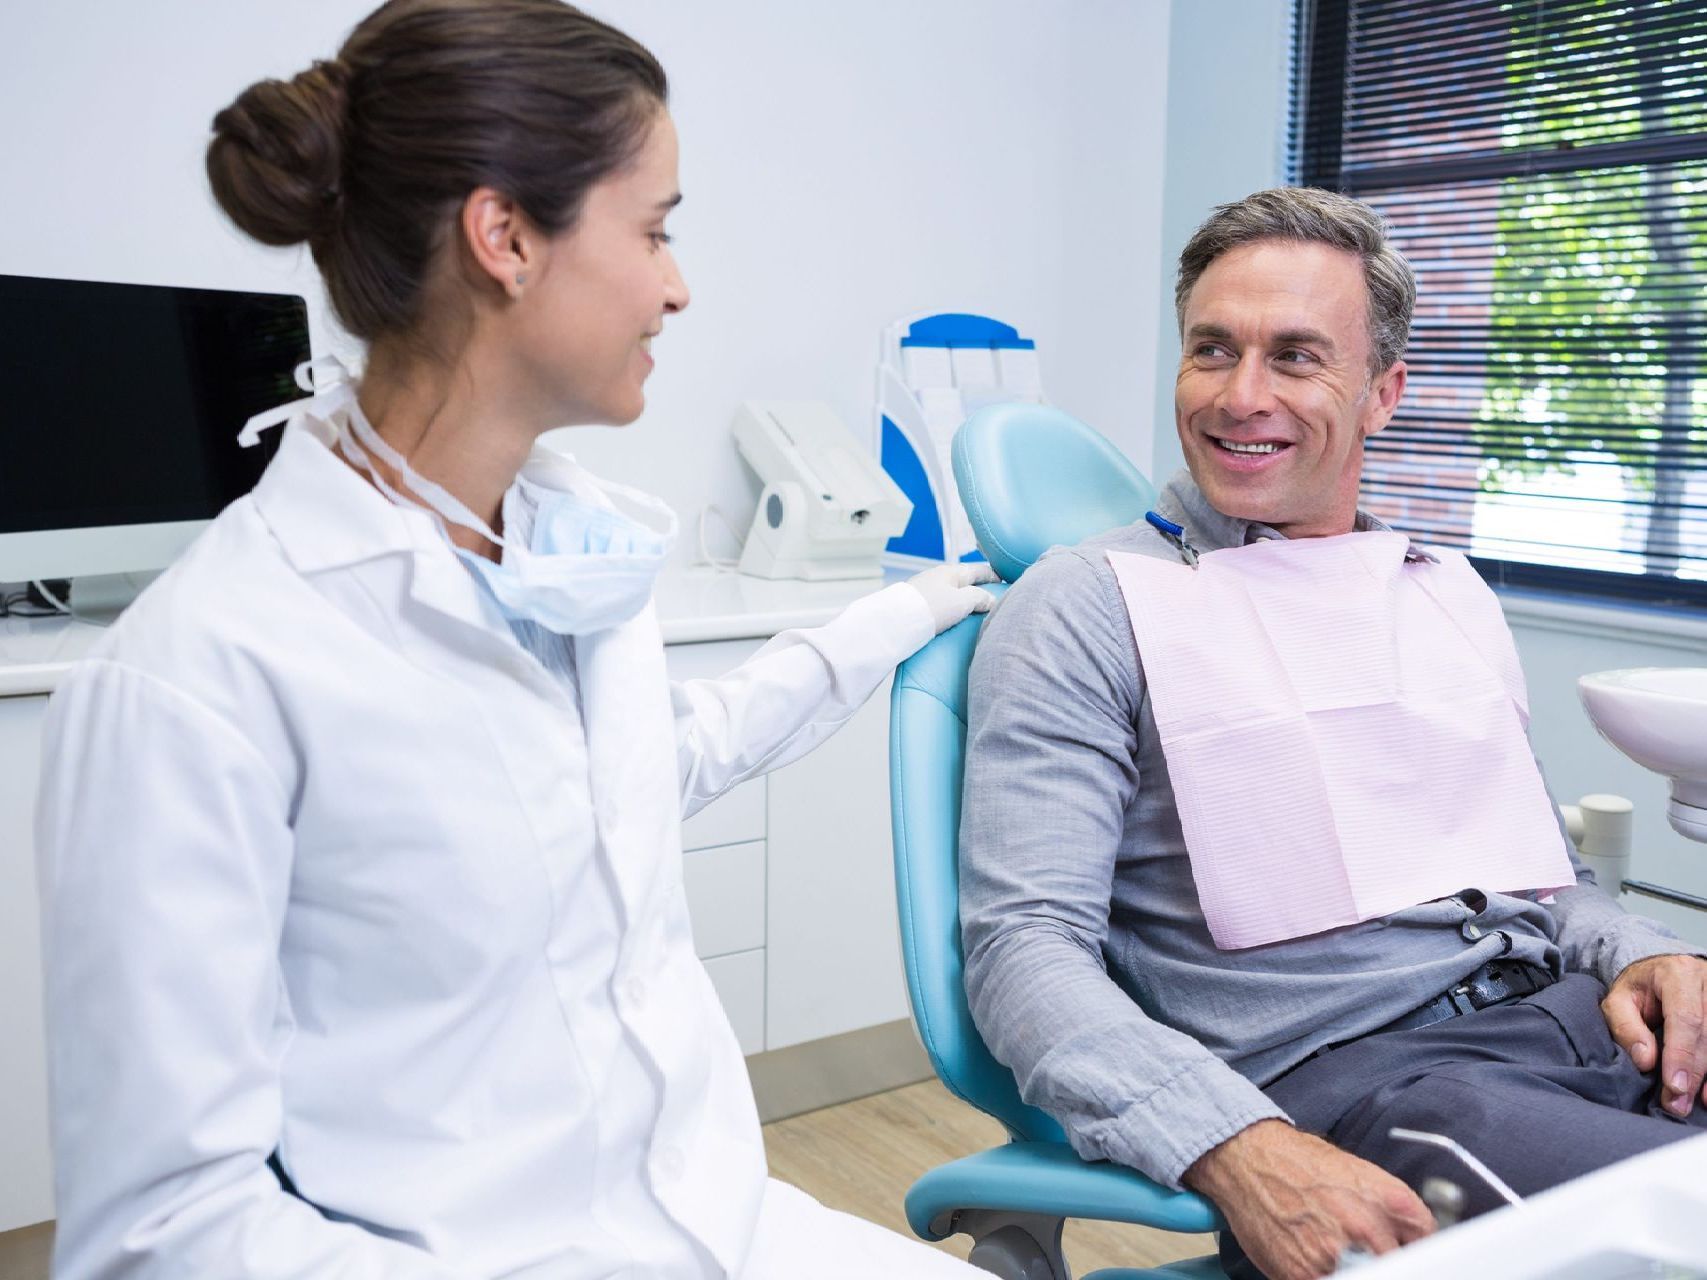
x,y
1543,164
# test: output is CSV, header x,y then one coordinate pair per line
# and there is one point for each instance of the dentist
x,y
366,945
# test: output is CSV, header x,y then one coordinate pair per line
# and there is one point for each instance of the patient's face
x,y
1274,397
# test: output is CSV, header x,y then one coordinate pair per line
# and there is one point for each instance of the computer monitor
x,y
120,406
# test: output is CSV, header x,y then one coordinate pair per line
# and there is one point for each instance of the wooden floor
x,y
862,1156
859,1157
24,1254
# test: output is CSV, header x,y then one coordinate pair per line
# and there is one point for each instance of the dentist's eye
x,y
661,238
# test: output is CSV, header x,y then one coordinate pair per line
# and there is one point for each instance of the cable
x,y
29,604
18,604
46,593
719,563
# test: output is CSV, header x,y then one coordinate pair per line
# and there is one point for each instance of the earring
x,y
521,278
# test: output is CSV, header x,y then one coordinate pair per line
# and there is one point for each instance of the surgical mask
x,y
585,568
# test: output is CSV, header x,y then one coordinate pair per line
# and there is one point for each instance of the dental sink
x,y
1658,717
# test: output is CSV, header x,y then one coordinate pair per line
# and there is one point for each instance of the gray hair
x,y
1309,215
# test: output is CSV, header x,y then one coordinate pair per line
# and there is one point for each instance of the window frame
x,y
1314,156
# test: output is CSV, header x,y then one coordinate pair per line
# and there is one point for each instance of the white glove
x,y
951,594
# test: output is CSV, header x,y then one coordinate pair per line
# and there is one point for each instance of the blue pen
x,y
1177,533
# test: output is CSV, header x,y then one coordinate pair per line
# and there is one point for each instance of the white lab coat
x,y
331,865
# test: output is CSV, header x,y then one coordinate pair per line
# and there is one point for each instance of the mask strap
x,y
327,395
439,502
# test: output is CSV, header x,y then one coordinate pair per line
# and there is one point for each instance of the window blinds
x,y
1543,164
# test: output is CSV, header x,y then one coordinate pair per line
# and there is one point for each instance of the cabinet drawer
x,y
707,660
740,983
726,897
736,815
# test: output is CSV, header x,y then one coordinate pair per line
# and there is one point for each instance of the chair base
x,y
1027,1246
1208,1268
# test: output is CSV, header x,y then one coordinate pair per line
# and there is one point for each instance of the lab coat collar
x,y
324,514
327,518
1207,529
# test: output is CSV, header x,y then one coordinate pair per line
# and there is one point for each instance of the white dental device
x,y
828,508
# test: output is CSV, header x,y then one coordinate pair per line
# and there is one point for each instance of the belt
x,y
1496,982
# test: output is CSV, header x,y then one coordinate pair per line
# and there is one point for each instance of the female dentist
x,y
367,950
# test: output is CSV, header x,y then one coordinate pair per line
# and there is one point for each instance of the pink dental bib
x,y
1344,732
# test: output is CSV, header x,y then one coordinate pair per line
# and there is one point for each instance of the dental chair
x,y
1030,478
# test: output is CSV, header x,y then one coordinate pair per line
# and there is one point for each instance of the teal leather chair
x,y
1031,478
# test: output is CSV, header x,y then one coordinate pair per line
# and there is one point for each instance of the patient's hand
x,y
1295,1202
1667,994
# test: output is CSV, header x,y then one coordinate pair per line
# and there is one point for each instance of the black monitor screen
x,y
120,404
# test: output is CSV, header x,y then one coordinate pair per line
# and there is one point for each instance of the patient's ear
x,y
1383,398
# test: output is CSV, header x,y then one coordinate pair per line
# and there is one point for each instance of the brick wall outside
x,y
1412,478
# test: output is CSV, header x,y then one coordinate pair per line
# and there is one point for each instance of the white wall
x,y
843,165
1228,90
1555,651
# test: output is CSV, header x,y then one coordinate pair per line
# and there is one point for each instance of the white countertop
x,y
694,606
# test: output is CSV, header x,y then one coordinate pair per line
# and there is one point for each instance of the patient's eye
x,y
1297,357
1211,353
660,238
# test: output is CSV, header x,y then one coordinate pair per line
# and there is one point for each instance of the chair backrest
x,y
1031,478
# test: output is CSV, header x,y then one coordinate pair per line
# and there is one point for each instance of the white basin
x,y
1658,717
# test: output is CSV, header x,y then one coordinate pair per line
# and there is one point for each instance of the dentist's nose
x,y
675,287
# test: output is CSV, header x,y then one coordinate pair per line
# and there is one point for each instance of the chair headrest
x,y
1032,477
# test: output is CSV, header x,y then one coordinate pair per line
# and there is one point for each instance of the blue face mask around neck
x,y
586,568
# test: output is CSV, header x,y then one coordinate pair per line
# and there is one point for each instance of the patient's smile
x,y
1243,457
1235,446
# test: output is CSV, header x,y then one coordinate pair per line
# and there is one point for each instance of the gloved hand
x,y
950,591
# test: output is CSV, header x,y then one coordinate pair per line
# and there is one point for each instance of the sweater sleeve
x,y
1051,770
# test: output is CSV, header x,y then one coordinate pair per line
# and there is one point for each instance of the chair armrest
x,y
1049,1178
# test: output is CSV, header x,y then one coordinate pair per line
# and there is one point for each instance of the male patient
x,y
1260,851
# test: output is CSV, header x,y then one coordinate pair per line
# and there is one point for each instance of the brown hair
x,y
1309,215
368,157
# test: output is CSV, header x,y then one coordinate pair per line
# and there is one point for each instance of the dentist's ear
x,y
1383,397
498,239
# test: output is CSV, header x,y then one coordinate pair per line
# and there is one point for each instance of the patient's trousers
x,y
1536,1089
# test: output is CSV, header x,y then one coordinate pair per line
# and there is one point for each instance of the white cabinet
x,y
740,983
726,897
814,838
26,1176
832,941
733,818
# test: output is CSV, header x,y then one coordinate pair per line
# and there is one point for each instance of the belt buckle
x,y
1461,999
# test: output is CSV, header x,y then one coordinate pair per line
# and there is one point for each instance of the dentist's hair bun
x,y
277,155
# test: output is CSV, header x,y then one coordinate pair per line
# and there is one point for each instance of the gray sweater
x,y
1090,969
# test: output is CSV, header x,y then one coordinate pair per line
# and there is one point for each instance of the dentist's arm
x,y
165,861
806,683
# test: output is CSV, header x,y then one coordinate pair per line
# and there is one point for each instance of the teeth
x,y
1235,447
